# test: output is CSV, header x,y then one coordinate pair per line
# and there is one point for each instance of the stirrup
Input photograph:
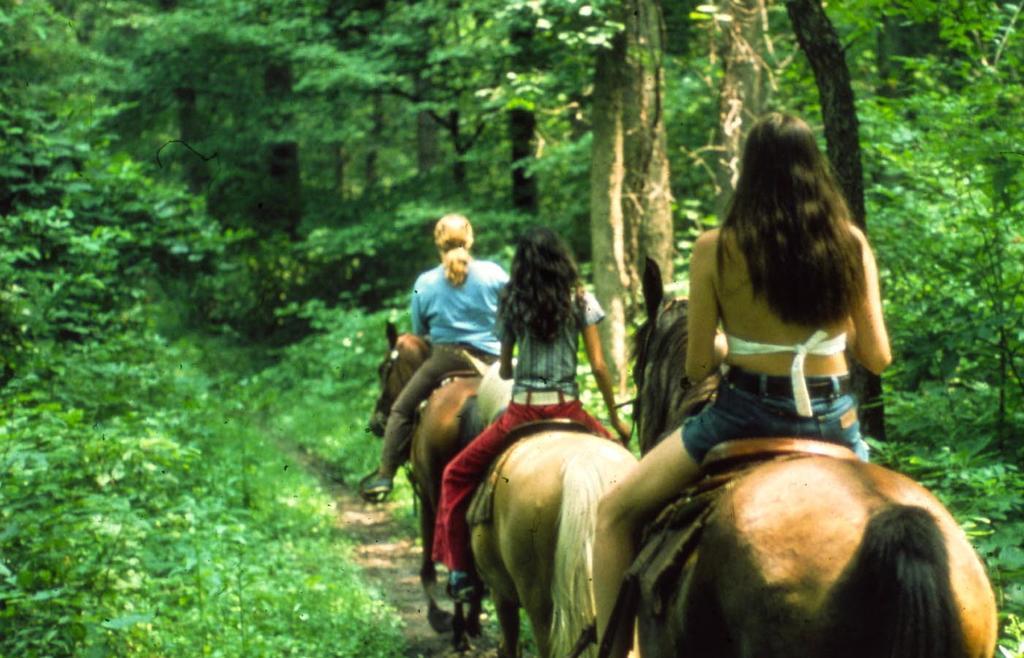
x,y
463,590
377,493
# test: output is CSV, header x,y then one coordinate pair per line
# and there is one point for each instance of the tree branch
x,y
205,158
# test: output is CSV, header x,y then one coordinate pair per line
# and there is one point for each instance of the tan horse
x,y
445,423
816,557
535,552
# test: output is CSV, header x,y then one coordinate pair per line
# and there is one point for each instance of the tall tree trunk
x,y
427,153
340,163
521,122
743,90
190,124
521,128
820,43
607,230
281,205
370,173
647,194
459,165
190,127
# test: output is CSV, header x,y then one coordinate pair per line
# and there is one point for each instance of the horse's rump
x,y
436,437
536,549
780,562
481,507
793,557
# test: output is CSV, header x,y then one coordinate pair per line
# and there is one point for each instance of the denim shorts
x,y
739,414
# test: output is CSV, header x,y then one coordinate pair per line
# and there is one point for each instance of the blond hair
x,y
453,236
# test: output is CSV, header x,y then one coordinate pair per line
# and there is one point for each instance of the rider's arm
x,y
869,340
419,322
505,370
592,345
704,350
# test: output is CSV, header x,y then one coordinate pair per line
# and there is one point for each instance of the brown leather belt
x,y
782,386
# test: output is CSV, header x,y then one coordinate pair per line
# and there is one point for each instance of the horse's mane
x,y
413,351
412,342
665,397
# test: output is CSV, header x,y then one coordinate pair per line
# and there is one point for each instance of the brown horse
x,y
814,556
444,424
535,551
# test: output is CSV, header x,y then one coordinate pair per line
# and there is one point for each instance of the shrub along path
x,y
392,565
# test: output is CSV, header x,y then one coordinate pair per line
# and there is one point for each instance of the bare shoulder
x,y
707,240
705,248
858,234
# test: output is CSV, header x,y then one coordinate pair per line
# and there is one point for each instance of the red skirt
x,y
467,469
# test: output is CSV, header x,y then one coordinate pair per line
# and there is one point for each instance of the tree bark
x,y
370,173
281,204
521,128
190,127
427,153
607,231
820,42
742,96
340,163
521,122
647,194
458,165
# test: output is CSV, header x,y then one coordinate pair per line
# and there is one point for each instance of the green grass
x,y
147,513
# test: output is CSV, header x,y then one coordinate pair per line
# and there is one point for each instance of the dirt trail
x,y
392,565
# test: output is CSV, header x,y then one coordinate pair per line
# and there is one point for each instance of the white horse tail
x,y
585,477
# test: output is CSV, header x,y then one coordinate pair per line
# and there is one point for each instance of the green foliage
x,y
951,180
151,515
86,232
320,393
138,522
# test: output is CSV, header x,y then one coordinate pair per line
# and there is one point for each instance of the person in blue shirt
x,y
454,307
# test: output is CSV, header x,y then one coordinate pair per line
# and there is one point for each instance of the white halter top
x,y
818,344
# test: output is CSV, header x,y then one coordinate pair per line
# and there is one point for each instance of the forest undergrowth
x,y
148,509
145,513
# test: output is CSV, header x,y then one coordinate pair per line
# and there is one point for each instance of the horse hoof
x,y
440,620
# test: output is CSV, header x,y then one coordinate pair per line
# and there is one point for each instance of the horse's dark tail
x,y
895,600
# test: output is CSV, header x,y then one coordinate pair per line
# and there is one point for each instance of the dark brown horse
x,y
814,556
441,428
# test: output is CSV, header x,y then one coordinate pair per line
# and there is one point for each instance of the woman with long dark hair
x,y
793,283
543,310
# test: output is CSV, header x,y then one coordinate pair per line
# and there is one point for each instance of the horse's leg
x,y
440,619
459,640
537,602
473,616
508,618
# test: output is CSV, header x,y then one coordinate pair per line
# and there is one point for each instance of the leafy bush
x,y
166,524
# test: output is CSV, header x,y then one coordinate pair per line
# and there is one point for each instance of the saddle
x,y
481,507
670,540
448,379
